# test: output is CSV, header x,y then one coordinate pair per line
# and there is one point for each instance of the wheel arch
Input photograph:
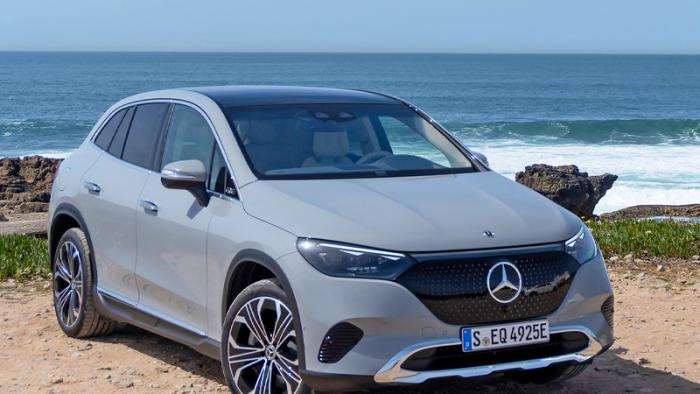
x,y
254,259
65,217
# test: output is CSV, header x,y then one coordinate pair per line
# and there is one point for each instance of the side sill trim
x,y
392,372
116,297
122,310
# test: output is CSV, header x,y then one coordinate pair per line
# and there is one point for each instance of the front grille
x,y
452,357
338,341
455,289
608,310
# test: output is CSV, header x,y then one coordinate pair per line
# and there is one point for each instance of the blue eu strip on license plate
x,y
467,339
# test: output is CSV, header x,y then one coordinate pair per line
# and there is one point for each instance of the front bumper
x,y
396,325
393,372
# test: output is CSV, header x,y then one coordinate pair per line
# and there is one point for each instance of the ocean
x,y
634,116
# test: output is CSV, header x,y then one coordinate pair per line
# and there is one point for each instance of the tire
x,y
72,288
551,374
253,364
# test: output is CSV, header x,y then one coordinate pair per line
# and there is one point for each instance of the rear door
x,y
110,192
172,227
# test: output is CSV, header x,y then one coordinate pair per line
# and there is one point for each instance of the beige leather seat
x,y
266,146
330,149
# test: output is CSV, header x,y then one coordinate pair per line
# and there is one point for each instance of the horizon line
x,y
354,52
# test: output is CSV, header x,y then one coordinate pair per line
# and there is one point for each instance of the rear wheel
x,y
72,285
553,373
259,344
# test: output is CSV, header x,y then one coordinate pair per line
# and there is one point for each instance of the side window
x,y
104,138
143,134
220,179
189,137
117,145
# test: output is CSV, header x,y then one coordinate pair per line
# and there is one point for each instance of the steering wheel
x,y
373,156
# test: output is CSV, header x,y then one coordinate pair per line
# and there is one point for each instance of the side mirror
x,y
187,175
482,158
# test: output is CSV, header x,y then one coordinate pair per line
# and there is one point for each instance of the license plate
x,y
505,335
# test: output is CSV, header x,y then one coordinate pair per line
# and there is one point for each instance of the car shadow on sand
x,y
610,373
169,352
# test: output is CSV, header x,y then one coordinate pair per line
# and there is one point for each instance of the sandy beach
x,y
656,325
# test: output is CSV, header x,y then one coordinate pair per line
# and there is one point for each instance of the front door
x,y
171,265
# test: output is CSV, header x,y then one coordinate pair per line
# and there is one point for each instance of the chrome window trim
x,y
224,197
168,101
392,372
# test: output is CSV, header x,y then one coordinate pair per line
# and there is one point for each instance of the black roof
x,y
247,95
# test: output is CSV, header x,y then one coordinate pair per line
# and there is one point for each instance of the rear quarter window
x,y
105,136
141,142
117,145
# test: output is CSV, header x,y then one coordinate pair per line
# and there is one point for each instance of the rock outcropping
x,y
25,184
567,186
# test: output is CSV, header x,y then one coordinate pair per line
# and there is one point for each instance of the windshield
x,y
341,141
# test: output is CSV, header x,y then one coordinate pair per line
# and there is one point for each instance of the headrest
x,y
331,144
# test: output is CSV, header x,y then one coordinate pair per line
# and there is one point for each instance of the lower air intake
x,y
338,341
608,310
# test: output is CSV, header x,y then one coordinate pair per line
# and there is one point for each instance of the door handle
x,y
148,206
92,187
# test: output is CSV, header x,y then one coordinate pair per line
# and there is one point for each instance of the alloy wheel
x,y
262,348
68,284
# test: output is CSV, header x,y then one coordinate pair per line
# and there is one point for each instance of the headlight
x,y
582,246
336,259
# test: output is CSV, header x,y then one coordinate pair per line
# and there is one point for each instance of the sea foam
x,y
662,174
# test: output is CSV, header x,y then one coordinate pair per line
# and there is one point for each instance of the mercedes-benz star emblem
x,y
504,282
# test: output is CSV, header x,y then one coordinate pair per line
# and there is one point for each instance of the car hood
x,y
412,214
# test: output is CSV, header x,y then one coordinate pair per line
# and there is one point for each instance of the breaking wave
x,y
617,132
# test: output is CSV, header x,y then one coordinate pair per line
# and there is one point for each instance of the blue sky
x,y
488,26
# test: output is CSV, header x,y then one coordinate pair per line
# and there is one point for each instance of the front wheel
x,y
259,346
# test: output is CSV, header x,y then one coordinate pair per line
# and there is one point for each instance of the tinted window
x,y
104,138
143,134
189,137
220,179
117,145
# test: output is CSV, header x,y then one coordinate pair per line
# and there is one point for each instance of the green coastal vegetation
x,y
647,238
24,257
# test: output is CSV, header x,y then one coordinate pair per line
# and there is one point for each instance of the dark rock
x,y
25,184
31,207
41,196
567,186
649,211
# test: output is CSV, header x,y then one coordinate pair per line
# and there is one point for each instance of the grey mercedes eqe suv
x,y
319,239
